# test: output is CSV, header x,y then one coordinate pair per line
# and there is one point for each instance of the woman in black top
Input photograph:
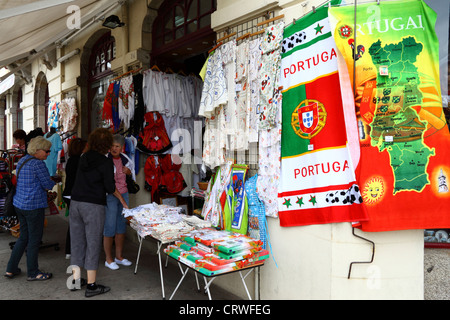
x,y
94,179
76,148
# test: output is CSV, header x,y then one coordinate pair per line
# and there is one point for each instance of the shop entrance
x,y
100,73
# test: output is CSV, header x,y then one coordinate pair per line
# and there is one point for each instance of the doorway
x,y
100,74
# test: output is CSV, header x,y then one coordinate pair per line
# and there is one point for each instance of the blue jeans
x,y
115,222
31,230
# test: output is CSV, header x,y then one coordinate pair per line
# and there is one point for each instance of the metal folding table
x,y
211,278
158,252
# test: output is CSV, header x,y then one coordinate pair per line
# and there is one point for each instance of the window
x,y
178,19
103,52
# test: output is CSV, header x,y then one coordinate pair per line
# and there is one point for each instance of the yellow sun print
x,y
373,191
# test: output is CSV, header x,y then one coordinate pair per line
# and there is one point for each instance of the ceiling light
x,y
113,22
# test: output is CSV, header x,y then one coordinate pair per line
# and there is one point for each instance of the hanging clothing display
x,y
270,67
53,114
215,139
171,178
229,67
153,91
110,112
162,174
254,75
130,150
139,105
269,169
239,141
126,101
270,119
68,114
214,91
52,159
154,138
157,106
152,172
403,137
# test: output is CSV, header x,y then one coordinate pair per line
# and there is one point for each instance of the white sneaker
x,y
124,262
112,265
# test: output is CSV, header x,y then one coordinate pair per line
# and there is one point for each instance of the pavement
x,y
124,283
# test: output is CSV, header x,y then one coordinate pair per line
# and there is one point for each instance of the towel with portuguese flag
x,y
319,143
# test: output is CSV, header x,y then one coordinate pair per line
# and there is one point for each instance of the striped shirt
x,y
32,184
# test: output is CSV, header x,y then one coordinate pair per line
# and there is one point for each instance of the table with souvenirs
x,y
195,245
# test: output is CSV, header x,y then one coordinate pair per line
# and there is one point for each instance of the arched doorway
x,y
98,52
41,99
103,52
182,34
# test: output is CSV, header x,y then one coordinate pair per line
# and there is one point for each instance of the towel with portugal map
x,y
395,175
402,158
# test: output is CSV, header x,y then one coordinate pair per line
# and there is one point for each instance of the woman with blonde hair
x,y
30,201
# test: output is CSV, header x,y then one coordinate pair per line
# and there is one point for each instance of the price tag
x,y
384,71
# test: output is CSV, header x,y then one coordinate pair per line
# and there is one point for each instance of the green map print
x,y
396,126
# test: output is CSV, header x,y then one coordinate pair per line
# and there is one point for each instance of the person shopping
x,y
20,137
115,222
94,179
76,149
30,201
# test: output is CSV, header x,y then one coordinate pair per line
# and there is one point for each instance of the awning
x,y
7,83
30,27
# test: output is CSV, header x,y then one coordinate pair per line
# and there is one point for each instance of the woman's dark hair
x,y
76,147
19,134
100,140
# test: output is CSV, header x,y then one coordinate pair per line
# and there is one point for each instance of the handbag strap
x,y
18,170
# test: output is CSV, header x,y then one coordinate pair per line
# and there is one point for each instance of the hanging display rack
x,y
125,74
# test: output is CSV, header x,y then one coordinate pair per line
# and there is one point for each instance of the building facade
x,y
310,262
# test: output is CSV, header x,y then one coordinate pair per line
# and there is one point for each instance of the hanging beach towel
x,y
318,182
404,138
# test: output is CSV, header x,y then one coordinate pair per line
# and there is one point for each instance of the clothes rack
x,y
226,37
155,68
270,20
215,47
125,74
243,36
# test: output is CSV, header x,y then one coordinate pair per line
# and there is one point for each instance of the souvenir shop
x,y
278,146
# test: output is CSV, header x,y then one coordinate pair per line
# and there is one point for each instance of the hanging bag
x,y
132,186
8,210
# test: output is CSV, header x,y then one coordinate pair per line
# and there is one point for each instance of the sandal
x,y
11,275
40,276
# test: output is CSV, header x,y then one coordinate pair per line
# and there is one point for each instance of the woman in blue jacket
x,y
30,201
